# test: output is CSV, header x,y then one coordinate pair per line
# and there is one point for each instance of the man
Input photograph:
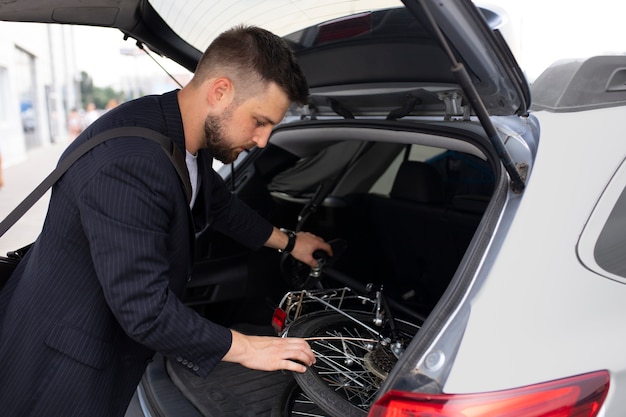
x,y
98,292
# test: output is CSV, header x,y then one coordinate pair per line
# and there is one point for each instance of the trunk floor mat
x,y
233,390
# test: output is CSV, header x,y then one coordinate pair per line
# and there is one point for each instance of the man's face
x,y
241,126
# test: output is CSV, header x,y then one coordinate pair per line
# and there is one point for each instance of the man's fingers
x,y
306,244
306,357
297,349
297,355
288,365
270,353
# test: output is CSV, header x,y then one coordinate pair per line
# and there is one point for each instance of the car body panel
x,y
519,304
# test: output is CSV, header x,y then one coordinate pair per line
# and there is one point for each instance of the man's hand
x,y
267,353
306,244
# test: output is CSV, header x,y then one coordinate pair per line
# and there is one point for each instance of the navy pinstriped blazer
x,y
98,293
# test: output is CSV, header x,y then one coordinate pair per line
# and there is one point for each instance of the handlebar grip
x,y
320,255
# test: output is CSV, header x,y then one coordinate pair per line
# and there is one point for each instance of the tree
x,y
97,95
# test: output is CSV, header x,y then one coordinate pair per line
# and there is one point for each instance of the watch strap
x,y
291,242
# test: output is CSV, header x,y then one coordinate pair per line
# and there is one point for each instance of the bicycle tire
x,y
295,403
343,385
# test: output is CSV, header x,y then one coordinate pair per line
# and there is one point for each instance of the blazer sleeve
x,y
139,233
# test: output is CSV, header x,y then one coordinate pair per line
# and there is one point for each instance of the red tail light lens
x,y
344,28
579,396
278,319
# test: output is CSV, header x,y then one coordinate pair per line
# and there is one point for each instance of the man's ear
x,y
220,92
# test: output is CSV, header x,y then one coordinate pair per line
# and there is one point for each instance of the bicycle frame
x,y
296,304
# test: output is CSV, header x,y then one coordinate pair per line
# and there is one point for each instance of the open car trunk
x,y
415,133
405,198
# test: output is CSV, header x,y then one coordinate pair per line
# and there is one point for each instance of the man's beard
x,y
215,139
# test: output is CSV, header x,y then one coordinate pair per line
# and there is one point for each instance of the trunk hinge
x,y
454,105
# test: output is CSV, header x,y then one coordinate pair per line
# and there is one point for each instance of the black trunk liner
x,y
233,390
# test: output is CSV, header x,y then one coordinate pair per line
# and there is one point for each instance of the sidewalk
x,y
19,180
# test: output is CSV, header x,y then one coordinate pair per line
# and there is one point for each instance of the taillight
x,y
278,319
578,396
345,27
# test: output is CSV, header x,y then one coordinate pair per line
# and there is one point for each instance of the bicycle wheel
x,y
295,403
351,363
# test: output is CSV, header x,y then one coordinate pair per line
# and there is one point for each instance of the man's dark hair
x,y
252,57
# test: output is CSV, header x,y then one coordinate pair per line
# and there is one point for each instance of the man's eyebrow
x,y
267,119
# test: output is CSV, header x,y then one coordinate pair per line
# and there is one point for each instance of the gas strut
x,y
464,80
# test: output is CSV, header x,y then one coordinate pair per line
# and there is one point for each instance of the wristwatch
x,y
291,235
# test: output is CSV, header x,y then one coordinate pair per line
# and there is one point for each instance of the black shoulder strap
x,y
172,151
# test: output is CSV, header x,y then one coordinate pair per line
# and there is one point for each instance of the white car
x,y
488,217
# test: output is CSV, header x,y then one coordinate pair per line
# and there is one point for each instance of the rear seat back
x,y
419,239
407,228
418,182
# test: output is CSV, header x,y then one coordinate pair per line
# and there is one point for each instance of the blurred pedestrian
x,y
74,124
111,104
91,114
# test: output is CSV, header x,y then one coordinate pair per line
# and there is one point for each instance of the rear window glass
x,y
416,153
610,250
602,244
461,174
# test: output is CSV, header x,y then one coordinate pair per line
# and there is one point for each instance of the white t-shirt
x,y
192,167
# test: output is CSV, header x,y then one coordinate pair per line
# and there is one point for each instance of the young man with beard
x,y
98,292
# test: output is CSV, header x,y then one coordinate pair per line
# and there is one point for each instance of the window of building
x,y
26,89
4,95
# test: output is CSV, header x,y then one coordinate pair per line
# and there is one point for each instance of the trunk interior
x,y
402,199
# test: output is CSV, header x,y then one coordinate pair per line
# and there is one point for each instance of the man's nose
x,y
262,137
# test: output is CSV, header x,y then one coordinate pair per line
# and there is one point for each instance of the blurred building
x,y
39,83
40,74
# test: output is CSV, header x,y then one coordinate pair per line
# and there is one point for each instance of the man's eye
x,y
259,123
